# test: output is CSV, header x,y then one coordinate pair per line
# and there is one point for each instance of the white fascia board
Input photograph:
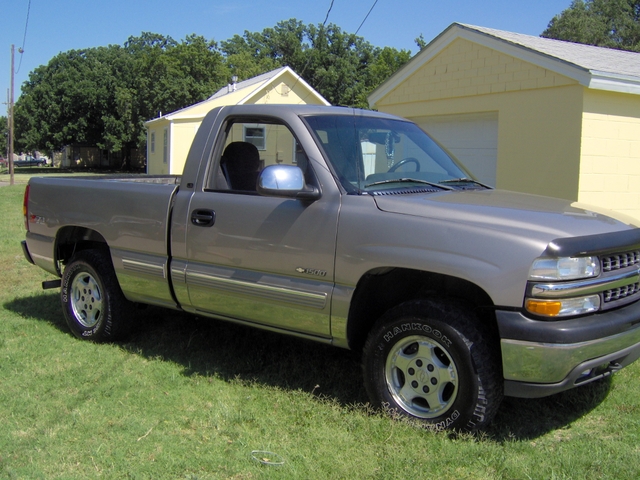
x,y
315,93
200,116
252,93
588,78
614,83
259,86
456,31
423,56
298,78
153,120
174,118
528,54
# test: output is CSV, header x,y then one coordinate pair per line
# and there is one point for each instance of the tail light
x,y
25,207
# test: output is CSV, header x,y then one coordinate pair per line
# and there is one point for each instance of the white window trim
x,y
255,126
165,146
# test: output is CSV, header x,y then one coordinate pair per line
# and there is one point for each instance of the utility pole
x,y
8,123
11,118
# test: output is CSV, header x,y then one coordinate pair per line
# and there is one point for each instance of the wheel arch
x,y
73,239
384,288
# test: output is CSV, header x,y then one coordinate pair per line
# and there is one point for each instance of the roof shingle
x,y
587,57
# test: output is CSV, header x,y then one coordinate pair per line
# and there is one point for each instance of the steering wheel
x,y
404,161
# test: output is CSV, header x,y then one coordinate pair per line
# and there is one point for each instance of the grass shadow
x,y
527,419
229,351
212,348
44,307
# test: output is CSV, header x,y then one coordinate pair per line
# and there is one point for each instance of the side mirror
x,y
285,181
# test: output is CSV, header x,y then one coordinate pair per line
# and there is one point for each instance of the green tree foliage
x,y
4,137
342,67
420,42
605,23
102,96
65,101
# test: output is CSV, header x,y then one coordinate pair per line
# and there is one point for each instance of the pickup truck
x,y
356,229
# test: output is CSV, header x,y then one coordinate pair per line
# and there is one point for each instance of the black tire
x,y
433,363
93,303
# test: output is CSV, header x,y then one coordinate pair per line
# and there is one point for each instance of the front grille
x,y
620,260
627,293
621,292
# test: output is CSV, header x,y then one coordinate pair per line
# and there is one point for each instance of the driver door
x,y
263,260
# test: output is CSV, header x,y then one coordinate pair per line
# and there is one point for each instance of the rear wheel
x,y
92,301
432,362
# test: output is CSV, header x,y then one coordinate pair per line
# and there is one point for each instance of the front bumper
x,y
540,358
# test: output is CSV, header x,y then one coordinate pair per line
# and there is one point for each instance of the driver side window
x,y
250,146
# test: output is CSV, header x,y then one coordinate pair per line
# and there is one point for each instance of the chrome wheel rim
x,y
87,302
421,376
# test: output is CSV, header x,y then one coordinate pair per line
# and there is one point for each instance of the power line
x,y
328,12
355,34
365,18
24,38
309,59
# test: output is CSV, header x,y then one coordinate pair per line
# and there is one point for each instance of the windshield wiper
x,y
464,179
406,180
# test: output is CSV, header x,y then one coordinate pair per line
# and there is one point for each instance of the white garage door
x,y
472,138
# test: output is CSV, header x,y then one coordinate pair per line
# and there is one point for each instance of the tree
x,y
4,136
420,42
102,96
64,101
604,23
254,53
387,61
344,68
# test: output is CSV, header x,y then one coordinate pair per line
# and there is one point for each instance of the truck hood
x,y
540,218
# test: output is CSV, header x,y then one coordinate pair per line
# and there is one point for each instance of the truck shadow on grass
x,y
207,347
526,419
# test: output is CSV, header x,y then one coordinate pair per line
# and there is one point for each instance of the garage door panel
x,y
472,138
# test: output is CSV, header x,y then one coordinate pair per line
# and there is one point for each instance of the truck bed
x,y
128,213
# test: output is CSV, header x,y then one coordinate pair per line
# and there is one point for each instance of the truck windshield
x,y
370,154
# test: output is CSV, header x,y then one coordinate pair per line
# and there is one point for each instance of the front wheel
x,y
92,301
432,362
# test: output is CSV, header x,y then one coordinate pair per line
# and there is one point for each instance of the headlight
x,y
564,268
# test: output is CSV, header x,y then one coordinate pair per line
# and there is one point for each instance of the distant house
x,y
529,114
169,137
88,156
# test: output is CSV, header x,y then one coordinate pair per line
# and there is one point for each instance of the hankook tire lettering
x,y
405,327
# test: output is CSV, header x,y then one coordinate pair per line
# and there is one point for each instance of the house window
x,y
256,134
165,146
152,141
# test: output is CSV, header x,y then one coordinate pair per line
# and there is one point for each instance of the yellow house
x,y
529,114
169,137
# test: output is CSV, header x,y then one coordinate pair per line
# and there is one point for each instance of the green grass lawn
x,y
186,397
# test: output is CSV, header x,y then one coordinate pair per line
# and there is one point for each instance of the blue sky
x,y
56,26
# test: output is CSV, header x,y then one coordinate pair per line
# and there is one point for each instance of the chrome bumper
x,y
545,364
